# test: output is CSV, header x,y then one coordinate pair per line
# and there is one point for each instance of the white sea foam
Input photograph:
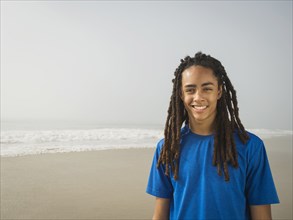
x,y
270,133
26,142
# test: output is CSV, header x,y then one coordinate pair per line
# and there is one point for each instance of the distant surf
x,y
27,142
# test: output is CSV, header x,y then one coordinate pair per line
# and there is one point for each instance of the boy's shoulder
x,y
184,130
253,144
159,146
160,143
253,138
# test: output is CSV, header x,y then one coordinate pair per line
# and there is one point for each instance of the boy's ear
x,y
220,92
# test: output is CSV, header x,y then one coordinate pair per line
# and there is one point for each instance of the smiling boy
x,y
186,174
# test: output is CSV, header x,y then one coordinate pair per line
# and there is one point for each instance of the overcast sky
x,y
112,62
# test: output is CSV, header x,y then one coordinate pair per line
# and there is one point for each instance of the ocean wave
x,y
18,143
105,134
270,133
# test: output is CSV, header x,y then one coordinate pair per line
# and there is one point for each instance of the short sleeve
x,y
260,187
159,184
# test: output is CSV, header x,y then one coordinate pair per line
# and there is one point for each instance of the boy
x,y
187,171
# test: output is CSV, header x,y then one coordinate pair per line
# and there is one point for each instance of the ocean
x,y
27,138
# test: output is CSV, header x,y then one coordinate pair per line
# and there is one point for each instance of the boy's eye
x,y
207,89
189,90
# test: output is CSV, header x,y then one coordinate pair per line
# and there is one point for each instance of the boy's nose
x,y
198,96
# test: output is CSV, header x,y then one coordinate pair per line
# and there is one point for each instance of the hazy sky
x,y
112,62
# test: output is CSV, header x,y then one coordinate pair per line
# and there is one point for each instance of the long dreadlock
x,y
226,122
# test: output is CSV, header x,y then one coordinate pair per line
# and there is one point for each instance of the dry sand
x,y
105,184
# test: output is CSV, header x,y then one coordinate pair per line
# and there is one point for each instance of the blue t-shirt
x,y
200,193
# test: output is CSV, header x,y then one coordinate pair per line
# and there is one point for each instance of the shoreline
x,y
134,147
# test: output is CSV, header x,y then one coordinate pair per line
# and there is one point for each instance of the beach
x,y
106,184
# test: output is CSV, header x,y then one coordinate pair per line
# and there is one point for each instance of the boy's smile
x,y
200,93
199,108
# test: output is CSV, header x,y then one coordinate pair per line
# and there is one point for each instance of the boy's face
x,y
200,93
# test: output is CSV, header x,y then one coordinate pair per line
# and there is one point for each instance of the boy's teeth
x,y
199,107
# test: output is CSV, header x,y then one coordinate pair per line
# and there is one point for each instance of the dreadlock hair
x,y
226,122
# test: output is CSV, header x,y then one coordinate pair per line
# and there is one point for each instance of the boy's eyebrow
x,y
190,86
204,84
207,84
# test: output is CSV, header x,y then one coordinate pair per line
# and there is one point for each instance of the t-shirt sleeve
x,y
159,184
260,187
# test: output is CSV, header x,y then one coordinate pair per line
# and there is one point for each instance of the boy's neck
x,y
201,128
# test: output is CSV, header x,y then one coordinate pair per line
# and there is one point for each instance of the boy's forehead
x,y
198,74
